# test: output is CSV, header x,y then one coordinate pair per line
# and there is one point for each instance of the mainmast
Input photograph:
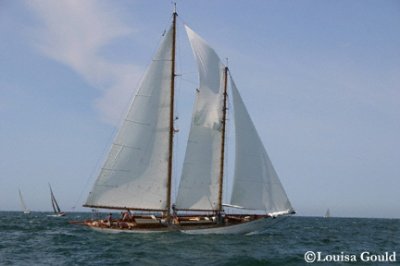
x,y
171,116
221,171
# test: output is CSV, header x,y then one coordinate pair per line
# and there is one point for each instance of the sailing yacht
x,y
137,177
56,208
327,214
23,205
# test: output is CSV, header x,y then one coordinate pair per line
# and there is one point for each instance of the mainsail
x,y
135,172
198,188
256,184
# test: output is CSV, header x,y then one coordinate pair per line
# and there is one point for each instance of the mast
x,y
221,171
171,116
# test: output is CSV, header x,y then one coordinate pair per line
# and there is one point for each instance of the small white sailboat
x,y
23,205
137,174
327,214
56,208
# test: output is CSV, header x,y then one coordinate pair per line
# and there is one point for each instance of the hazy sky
x,y
321,80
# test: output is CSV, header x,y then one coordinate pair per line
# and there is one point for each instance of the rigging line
x,y
190,81
100,160
192,73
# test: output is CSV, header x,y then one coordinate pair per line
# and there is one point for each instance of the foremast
x,y
171,117
223,130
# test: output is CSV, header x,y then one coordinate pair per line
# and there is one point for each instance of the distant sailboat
x,y
23,205
137,174
54,204
327,214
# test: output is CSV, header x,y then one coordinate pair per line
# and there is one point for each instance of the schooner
x,y
137,177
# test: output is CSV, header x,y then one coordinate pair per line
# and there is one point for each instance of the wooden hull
x,y
135,231
118,226
238,228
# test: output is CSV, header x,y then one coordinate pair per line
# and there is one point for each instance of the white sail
x,y
135,172
256,184
198,188
23,205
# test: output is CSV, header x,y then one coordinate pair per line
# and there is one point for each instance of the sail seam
x,y
126,146
137,122
116,170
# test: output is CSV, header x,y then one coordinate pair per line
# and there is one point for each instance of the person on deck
x,y
109,219
126,216
175,219
174,209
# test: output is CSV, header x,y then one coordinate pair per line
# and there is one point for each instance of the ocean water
x,y
37,239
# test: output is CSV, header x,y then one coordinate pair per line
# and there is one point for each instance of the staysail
x,y
135,172
256,185
198,188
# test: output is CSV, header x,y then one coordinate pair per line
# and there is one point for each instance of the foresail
x,y
198,188
135,172
256,185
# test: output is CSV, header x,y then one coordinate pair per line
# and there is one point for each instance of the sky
x,y
321,80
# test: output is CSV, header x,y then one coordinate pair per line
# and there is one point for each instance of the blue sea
x,y
37,239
